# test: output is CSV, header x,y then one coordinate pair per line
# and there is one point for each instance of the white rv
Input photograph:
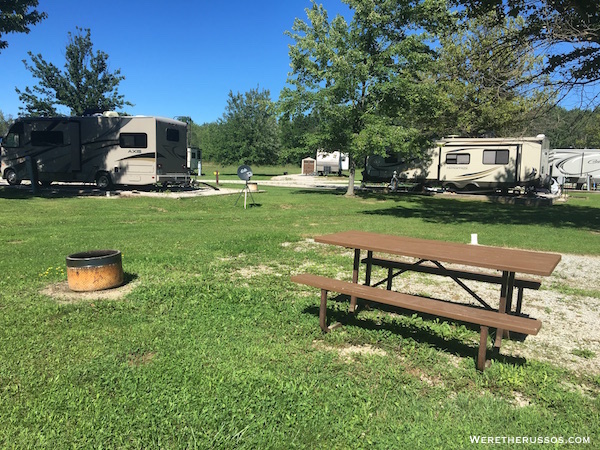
x,y
470,164
331,162
194,160
106,149
576,165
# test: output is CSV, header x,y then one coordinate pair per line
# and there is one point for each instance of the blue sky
x,y
179,57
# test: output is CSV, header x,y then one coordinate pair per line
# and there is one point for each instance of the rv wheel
x,y
11,176
103,180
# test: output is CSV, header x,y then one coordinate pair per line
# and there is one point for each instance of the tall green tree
x,y
86,83
5,123
295,132
575,128
567,32
250,129
209,137
488,90
364,81
16,16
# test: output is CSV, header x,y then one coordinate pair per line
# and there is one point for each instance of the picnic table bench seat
x,y
440,308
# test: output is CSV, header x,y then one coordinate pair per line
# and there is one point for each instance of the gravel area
x,y
570,334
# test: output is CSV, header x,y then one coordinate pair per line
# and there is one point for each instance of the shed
x,y
309,166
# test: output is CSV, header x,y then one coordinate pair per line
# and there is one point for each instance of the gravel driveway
x,y
570,334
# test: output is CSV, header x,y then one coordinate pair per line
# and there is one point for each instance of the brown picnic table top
x,y
499,258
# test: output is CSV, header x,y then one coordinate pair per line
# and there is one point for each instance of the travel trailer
x,y
470,164
194,160
331,162
575,166
106,149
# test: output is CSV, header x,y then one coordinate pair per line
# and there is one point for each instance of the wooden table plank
x,y
505,259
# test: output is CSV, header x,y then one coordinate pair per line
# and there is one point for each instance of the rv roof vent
x,y
540,136
110,114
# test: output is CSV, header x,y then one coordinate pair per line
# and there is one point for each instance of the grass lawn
x,y
214,347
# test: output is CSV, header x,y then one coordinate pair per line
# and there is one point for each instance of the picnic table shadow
x,y
410,331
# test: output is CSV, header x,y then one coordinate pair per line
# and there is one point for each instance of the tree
x,y
576,128
86,84
567,31
294,132
5,123
16,16
250,129
363,82
209,137
487,90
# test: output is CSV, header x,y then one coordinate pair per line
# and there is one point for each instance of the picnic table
x,y
508,266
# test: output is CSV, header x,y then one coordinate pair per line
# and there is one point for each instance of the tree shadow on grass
x,y
23,192
412,331
450,211
487,211
72,190
15,193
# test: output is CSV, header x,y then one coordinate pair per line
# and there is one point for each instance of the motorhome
x,y
106,149
331,162
470,164
576,166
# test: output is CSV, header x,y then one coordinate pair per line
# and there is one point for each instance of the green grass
x,y
215,348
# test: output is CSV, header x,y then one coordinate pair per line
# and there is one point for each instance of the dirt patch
x,y
63,295
347,353
249,272
519,400
136,359
570,335
301,246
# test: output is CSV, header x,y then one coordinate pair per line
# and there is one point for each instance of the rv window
x,y
172,135
133,140
41,138
12,140
458,158
495,156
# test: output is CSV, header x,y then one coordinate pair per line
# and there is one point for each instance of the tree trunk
x,y
350,191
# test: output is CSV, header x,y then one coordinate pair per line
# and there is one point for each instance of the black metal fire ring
x,y
94,258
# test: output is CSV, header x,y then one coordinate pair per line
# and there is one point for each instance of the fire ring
x,y
94,270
